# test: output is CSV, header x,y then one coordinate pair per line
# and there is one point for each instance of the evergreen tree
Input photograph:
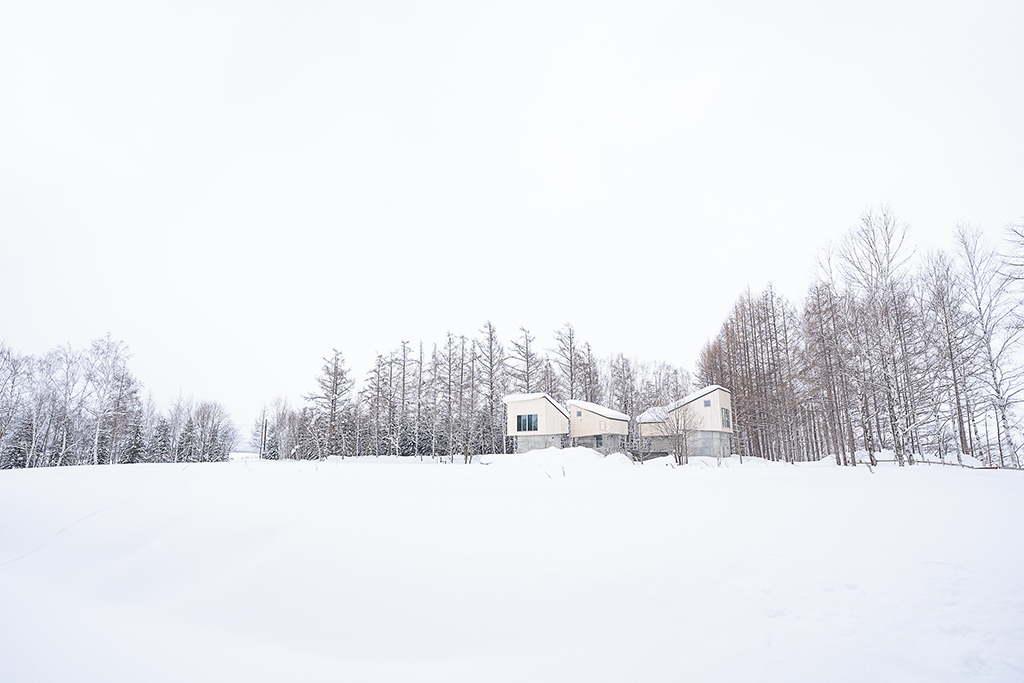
x,y
16,450
160,444
272,449
135,448
187,451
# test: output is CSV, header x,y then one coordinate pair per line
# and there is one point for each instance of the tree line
x,y
889,350
83,406
445,401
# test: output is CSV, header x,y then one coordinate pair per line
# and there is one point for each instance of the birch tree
x,y
111,394
995,332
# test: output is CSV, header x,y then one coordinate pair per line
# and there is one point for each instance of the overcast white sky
x,y
236,188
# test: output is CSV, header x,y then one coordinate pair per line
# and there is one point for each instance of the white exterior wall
x,y
649,429
550,420
589,423
709,418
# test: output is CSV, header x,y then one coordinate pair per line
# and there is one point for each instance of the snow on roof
x,y
694,396
515,398
511,398
655,414
660,413
599,410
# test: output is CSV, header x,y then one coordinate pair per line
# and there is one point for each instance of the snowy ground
x,y
548,567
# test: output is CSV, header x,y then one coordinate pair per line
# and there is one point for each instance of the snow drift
x,y
543,567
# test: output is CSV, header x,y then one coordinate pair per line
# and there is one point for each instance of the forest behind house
x,y
914,354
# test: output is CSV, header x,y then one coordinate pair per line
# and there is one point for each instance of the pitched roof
x,y
694,396
660,413
599,410
515,398
652,415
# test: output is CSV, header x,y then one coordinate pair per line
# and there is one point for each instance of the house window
x,y
579,413
725,419
600,440
707,403
526,423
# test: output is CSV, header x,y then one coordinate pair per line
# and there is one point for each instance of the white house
x,y
597,427
536,421
701,423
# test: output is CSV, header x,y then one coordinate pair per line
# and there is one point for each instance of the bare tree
x,y
680,428
215,436
493,381
567,358
590,375
329,401
111,389
873,259
995,332
1014,260
949,325
525,363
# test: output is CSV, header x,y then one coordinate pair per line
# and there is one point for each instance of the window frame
x,y
527,423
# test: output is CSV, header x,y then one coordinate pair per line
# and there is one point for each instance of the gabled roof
x,y
660,413
653,415
515,398
599,410
694,396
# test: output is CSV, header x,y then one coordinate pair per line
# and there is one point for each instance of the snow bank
x,y
887,457
618,460
396,570
545,456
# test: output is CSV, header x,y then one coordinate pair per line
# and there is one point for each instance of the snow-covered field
x,y
552,567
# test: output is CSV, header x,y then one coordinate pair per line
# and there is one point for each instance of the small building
x,y
597,427
536,421
700,424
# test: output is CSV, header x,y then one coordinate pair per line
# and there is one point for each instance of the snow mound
x,y
544,457
383,570
887,458
618,460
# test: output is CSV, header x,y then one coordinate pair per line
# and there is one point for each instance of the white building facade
x,y
536,421
701,423
597,427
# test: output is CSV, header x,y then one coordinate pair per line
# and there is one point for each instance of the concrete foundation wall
x,y
536,442
702,443
610,443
